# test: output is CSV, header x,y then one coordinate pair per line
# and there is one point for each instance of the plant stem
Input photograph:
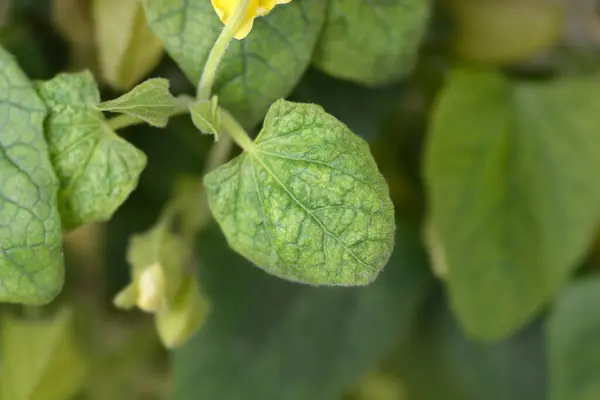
x,y
235,130
182,106
218,50
218,153
123,121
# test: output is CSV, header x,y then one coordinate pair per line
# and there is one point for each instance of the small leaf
x,y
206,116
149,101
306,202
39,359
184,317
255,71
272,339
157,259
97,169
573,332
31,261
511,175
372,42
128,50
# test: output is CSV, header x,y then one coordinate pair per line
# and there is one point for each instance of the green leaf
x,y
149,101
511,173
127,48
31,262
271,339
207,117
372,42
306,201
97,169
39,359
573,332
255,71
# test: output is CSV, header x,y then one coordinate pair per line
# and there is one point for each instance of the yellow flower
x,y
256,8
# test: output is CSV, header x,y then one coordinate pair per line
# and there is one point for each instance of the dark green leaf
x,y
306,201
270,339
372,42
440,362
574,342
511,170
97,169
255,71
31,262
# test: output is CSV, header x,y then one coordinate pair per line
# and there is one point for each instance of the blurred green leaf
x,y
97,169
511,173
40,360
438,362
271,339
128,50
149,101
506,32
306,201
31,261
185,316
371,42
157,259
255,71
574,342
363,109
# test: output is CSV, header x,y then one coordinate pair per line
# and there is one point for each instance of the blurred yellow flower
x,y
256,8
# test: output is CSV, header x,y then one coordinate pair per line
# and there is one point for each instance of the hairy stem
x,y
219,48
235,130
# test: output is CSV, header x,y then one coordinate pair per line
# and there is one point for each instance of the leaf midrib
x,y
253,155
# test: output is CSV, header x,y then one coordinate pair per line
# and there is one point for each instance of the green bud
x,y
186,315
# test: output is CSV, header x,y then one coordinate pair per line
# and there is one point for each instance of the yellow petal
x,y
225,8
265,6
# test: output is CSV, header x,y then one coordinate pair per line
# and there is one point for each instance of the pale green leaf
x,y
127,48
573,333
207,117
372,42
40,360
149,101
515,202
306,202
97,169
31,262
255,71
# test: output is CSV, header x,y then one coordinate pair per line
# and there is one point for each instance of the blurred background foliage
x,y
264,339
